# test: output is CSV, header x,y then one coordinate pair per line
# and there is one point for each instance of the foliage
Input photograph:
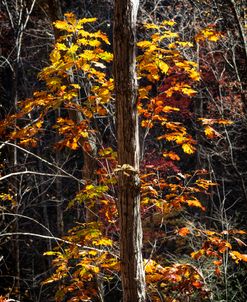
x,y
77,79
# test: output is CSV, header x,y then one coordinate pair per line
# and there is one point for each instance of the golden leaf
x,y
188,148
73,48
169,109
39,124
210,132
238,257
86,20
77,86
194,75
147,124
63,25
94,43
106,56
163,66
61,46
194,203
168,22
55,56
144,44
151,26
188,91
209,34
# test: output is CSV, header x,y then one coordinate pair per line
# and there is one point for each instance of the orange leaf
x,y
217,271
197,284
183,232
171,155
195,203
238,257
217,262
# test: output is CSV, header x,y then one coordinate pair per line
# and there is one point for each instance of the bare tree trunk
x,y
132,272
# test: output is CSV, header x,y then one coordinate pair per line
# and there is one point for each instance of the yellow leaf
x,y
94,43
168,22
88,55
83,41
89,187
144,44
61,46
209,233
106,56
188,148
55,56
147,124
103,241
209,34
185,44
163,66
73,48
72,144
194,75
52,253
39,124
210,132
29,142
144,91
168,35
188,91
83,133
63,25
238,257
77,86
169,109
102,36
151,26
86,20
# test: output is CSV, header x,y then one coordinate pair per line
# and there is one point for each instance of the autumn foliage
x,y
78,79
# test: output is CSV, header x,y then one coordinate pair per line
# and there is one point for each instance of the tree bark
x,y
132,272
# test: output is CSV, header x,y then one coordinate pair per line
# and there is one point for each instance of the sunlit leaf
x,y
188,148
238,256
183,232
171,155
211,132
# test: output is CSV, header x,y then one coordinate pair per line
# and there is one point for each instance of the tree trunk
x,y
132,272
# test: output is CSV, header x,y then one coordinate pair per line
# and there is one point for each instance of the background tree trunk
x,y
132,272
